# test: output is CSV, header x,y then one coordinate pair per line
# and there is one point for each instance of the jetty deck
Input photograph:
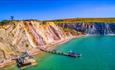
x,y
61,53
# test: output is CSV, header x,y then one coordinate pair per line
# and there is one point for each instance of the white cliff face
x,y
19,36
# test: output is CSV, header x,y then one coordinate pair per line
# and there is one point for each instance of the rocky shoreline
x,y
37,52
20,36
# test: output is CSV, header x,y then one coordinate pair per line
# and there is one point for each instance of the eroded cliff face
x,y
92,28
18,36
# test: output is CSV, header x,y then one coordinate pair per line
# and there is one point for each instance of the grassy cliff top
x,y
67,20
84,20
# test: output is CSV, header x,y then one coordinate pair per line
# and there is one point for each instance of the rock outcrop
x,y
91,28
18,36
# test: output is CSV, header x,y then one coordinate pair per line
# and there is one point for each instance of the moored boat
x,y
73,54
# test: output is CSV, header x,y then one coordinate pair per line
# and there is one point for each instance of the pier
x,y
69,54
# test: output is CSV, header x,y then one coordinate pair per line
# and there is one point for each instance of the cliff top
x,y
68,20
84,20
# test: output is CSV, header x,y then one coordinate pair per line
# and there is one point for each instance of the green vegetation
x,y
4,22
70,20
67,20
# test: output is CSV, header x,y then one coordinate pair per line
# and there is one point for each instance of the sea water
x,y
98,53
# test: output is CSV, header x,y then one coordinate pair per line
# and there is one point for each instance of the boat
x,y
73,54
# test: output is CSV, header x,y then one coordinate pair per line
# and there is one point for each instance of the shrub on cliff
x,y
4,22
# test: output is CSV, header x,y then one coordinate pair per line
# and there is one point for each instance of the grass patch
x,y
86,20
4,22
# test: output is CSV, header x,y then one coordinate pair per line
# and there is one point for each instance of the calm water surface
x,y
98,53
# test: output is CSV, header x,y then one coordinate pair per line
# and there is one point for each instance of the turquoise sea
x,y
98,53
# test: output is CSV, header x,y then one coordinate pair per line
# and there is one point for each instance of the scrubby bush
x,y
4,22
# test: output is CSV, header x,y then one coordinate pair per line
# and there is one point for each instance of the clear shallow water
x,y
98,53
